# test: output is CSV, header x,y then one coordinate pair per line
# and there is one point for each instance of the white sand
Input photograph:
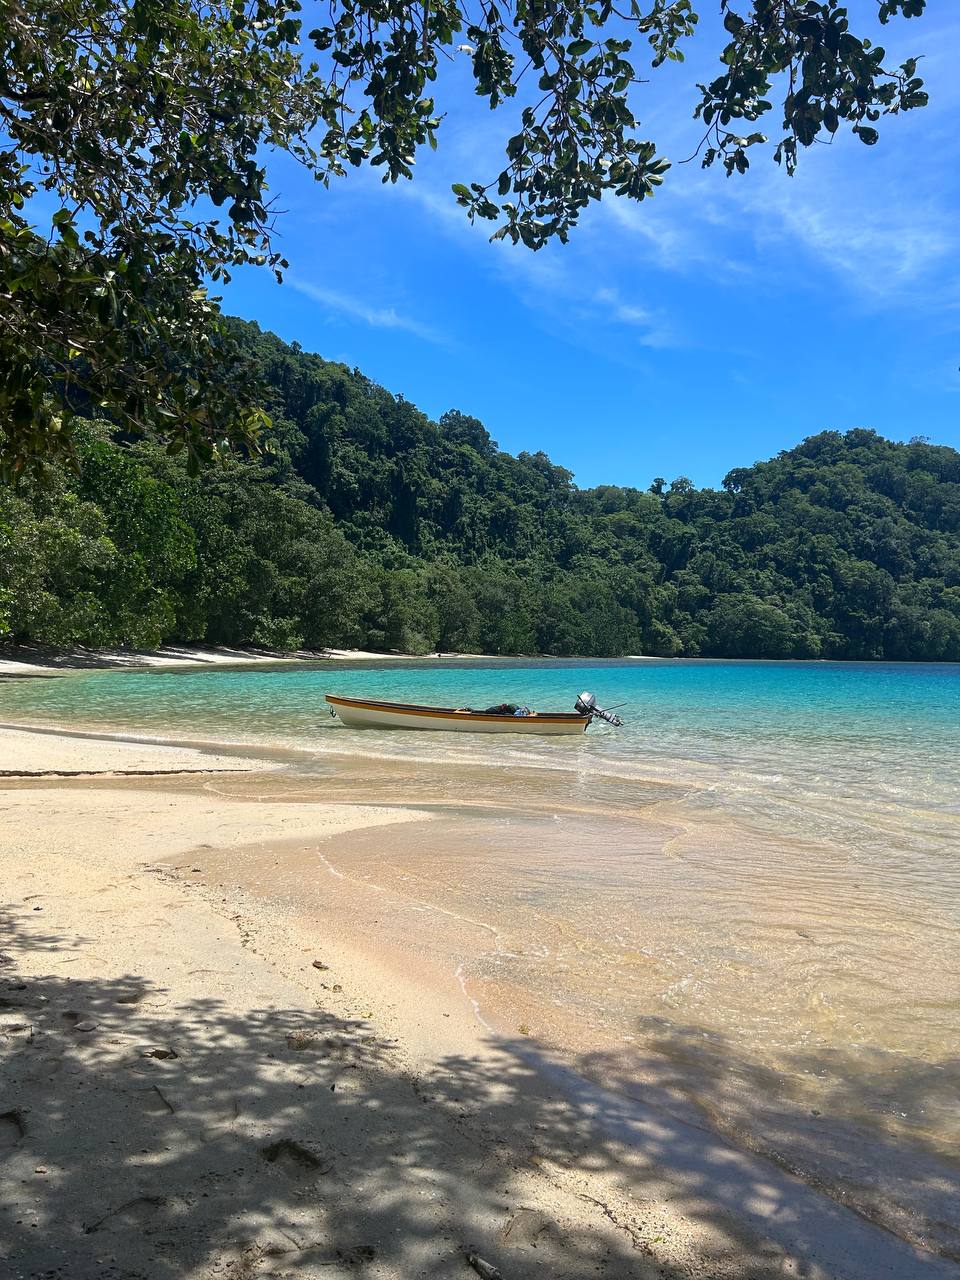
x,y
185,1094
38,752
25,662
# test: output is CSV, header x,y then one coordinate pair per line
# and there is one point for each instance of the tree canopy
x,y
134,135
371,525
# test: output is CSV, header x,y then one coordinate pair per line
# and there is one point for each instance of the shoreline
x,y
166,888
28,661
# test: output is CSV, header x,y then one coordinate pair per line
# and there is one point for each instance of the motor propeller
x,y
586,705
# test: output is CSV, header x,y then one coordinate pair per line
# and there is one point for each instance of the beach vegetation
x,y
135,137
370,525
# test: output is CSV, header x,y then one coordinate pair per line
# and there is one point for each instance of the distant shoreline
x,y
27,660
30,661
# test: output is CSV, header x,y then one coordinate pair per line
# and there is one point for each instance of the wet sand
x,y
235,1043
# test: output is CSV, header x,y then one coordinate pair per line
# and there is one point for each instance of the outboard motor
x,y
586,705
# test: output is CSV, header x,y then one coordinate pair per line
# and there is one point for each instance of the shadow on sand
x,y
147,1141
122,659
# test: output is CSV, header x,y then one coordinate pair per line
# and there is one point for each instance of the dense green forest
x,y
367,524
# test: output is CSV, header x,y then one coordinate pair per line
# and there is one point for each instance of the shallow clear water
x,y
864,754
748,898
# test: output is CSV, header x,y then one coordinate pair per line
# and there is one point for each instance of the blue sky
x,y
708,328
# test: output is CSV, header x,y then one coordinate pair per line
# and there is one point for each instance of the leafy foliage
x,y
833,78
132,174
371,525
126,114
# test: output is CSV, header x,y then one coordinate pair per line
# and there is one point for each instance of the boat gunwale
x,y
414,708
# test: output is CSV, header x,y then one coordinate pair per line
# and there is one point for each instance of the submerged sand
x,y
198,1080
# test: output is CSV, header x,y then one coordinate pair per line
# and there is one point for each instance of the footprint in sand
x,y
154,1102
335,1047
277,1261
12,1130
527,1227
295,1160
135,1213
130,997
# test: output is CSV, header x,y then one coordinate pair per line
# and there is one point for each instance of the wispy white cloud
x,y
583,295
560,285
880,220
882,251
436,200
680,232
377,317
882,223
671,243
653,329
862,227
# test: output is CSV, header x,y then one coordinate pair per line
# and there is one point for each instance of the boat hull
x,y
361,713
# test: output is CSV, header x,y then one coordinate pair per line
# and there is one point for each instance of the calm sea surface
x,y
863,753
746,901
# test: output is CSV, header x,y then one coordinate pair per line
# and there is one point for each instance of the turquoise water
x,y
777,938
865,754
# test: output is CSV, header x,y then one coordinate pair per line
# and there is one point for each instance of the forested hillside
x,y
370,525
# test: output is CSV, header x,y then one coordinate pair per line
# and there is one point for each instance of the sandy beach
x,y
198,1081
32,662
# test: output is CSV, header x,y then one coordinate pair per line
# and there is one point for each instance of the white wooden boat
x,y
364,713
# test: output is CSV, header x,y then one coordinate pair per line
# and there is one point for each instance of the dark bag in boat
x,y
502,709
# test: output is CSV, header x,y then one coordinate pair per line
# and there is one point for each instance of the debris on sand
x,y
158,1051
485,1270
